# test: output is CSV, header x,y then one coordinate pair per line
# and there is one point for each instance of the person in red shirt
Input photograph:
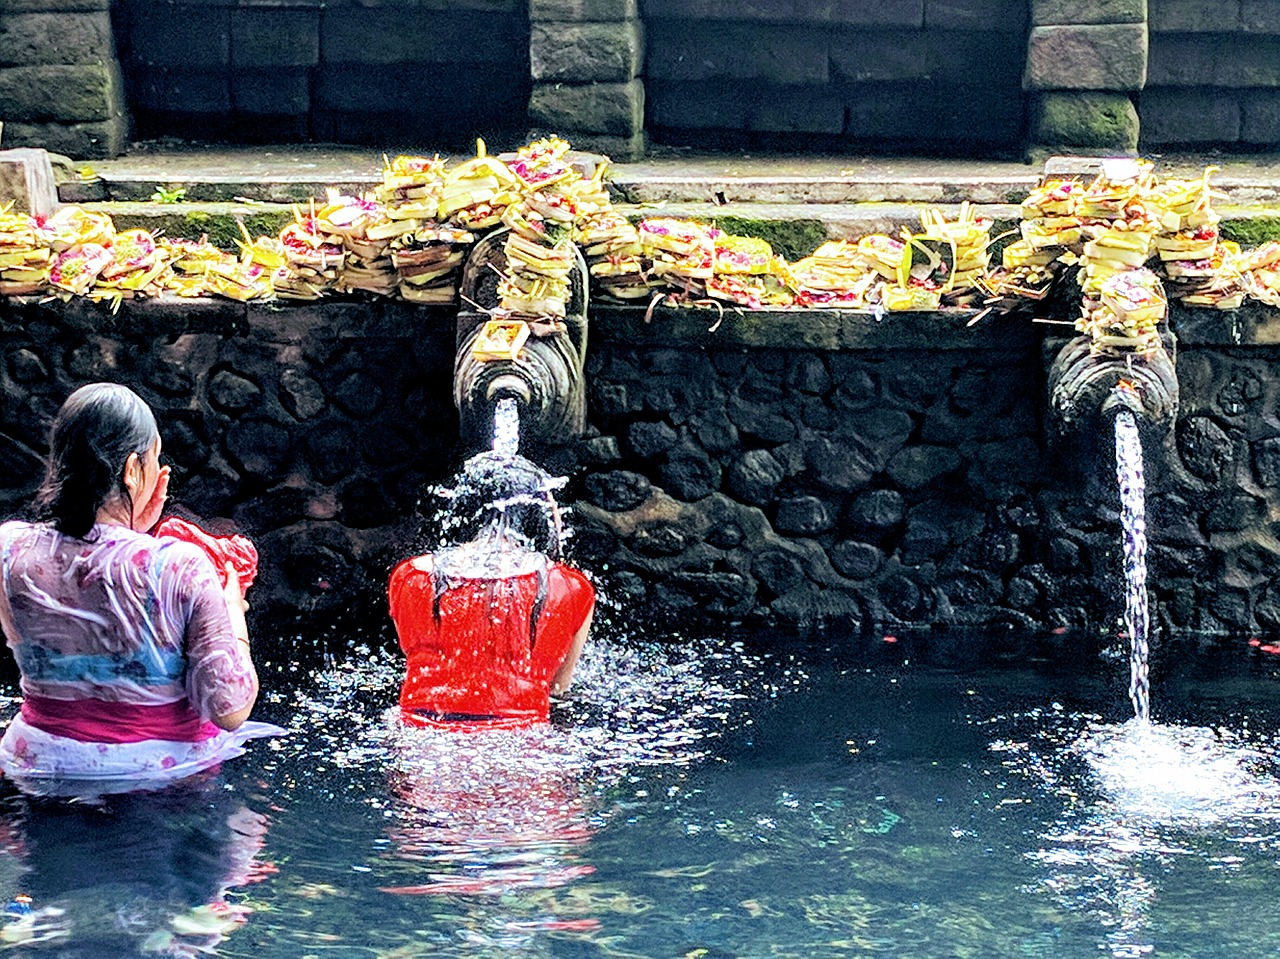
x,y
493,625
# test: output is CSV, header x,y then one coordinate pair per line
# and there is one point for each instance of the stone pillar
x,y
1085,59
60,84
586,58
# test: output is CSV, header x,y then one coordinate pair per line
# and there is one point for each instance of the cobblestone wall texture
x,y
840,472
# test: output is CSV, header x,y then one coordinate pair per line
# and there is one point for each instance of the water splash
x,y
1133,519
506,427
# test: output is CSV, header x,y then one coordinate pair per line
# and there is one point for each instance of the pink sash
x,y
99,721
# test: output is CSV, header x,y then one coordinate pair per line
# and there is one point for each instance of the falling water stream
x,y
506,427
1134,523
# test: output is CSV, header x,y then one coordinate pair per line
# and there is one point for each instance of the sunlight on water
x,y
1143,799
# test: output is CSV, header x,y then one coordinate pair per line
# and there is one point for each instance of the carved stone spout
x,y
545,376
1086,388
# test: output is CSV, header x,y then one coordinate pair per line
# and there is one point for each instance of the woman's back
x,y
483,647
125,619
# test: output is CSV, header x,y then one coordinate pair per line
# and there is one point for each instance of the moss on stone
x,y
791,239
223,229
1253,230
1086,120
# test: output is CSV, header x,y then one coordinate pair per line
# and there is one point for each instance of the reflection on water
x,y
129,873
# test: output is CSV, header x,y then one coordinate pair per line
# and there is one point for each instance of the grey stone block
x,y
889,110
1110,57
797,110
718,106
271,37
1260,117
776,11
616,109
87,141
26,180
865,55
691,52
1086,120
62,93
883,13
992,57
1007,16
1046,13
8,7
406,87
977,114
282,92
1173,116
175,90
181,36
582,10
385,35
586,52
1259,16
1194,16
1214,60
32,39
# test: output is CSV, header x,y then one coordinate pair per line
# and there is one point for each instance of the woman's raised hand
x,y
148,515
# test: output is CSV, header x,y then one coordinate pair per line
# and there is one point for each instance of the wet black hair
x,y
507,489
92,436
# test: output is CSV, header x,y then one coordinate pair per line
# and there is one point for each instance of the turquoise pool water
x,y
928,798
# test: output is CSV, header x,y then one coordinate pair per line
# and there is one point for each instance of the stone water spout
x,y
546,378
1086,388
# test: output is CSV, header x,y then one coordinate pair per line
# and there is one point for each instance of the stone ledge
x,y
274,320
699,327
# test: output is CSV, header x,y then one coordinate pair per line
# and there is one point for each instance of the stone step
x,y
296,173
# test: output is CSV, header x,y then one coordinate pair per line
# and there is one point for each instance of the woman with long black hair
x,y
134,656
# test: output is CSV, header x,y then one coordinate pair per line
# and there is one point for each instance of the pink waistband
x,y
99,721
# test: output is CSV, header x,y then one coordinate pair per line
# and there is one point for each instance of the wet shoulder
x,y
573,581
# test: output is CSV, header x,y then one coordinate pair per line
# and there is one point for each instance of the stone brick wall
x,y
812,468
586,57
60,82
1214,75
395,74
1085,61
901,473
861,73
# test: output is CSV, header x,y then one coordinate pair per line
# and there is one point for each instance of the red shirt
x,y
477,662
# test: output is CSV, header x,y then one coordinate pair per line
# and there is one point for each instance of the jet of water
x,y
1133,519
506,427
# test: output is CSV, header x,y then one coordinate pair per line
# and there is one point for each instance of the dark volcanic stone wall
x,y
314,431
907,480
800,468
